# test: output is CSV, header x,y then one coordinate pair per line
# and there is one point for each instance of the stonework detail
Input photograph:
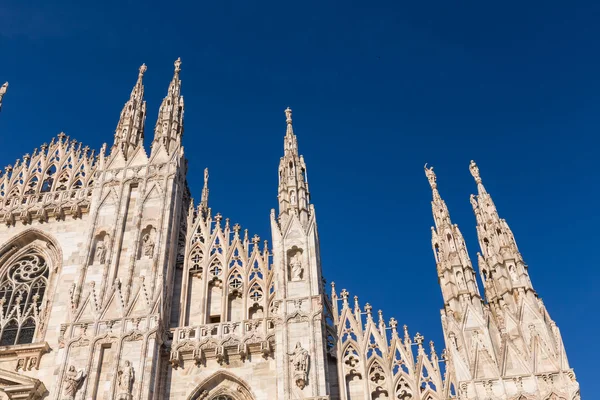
x,y
115,284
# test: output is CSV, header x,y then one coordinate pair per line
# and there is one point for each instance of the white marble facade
x,y
114,284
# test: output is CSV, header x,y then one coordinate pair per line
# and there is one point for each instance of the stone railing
x,y
41,206
222,340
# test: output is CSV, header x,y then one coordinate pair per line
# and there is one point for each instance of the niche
x,y
295,265
147,242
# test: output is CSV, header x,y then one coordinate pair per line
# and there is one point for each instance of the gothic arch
x,y
29,265
222,383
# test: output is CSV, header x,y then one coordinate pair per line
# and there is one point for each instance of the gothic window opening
x,y
22,289
215,268
196,263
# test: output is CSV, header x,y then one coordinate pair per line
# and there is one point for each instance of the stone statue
x,y
293,198
473,202
513,273
475,171
148,248
296,267
461,281
430,176
100,255
125,377
73,380
299,360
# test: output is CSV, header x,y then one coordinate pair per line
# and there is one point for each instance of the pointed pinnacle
x,y
143,69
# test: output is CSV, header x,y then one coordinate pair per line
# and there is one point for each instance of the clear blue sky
x,y
377,89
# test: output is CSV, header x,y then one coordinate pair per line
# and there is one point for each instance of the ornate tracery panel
x,y
22,288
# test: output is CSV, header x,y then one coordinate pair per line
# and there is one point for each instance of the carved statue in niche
x,y
73,381
296,269
293,197
513,273
461,281
148,245
299,360
100,255
125,378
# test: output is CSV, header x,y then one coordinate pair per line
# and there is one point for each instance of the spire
x,y
204,200
501,264
130,129
293,185
169,125
494,233
455,271
2,93
291,142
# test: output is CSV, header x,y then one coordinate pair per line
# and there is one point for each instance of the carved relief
x,y
299,359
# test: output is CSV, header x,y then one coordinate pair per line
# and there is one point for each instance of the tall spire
x,y
455,271
2,93
293,185
501,264
169,125
495,236
130,129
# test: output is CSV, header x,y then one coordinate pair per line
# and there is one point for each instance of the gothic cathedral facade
x,y
115,284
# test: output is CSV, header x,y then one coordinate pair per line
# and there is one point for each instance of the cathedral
x,y
116,284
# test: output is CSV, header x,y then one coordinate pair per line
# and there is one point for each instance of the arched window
x,y
22,288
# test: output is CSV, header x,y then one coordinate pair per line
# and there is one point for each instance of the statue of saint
x,y
148,245
293,197
73,380
513,273
296,267
100,255
126,376
430,176
299,360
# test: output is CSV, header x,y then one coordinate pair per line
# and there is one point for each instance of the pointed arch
x,y
223,383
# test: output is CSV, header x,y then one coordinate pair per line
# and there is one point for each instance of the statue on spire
x,y
2,92
288,115
177,65
204,200
143,69
430,176
475,171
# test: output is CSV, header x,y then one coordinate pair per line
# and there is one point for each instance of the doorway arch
x,y
222,385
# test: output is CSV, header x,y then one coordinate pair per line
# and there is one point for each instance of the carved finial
x,y
475,171
288,115
394,325
419,339
177,65
143,69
